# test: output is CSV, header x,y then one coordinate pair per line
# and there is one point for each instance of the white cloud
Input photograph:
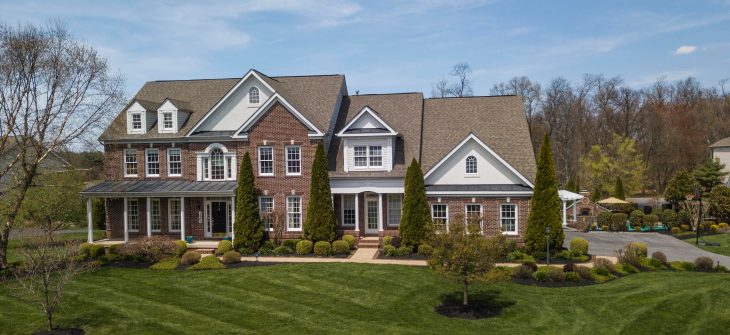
x,y
685,50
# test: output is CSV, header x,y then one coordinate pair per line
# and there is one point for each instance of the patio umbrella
x,y
612,201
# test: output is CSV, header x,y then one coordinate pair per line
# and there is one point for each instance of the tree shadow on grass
x,y
482,304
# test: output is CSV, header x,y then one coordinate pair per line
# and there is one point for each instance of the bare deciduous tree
x,y
54,91
460,88
277,218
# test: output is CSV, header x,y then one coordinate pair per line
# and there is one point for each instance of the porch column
x,y
126,222
182,218
575,217
233,217
149,217
380,212
90,217
565,214
357,212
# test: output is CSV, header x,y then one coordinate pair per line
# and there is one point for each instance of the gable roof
x,y
498,121
401,111
723,143
387,130
242,131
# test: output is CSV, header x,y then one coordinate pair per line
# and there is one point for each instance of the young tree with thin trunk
x,y
54,92
415,222
54,202
320,224
248,229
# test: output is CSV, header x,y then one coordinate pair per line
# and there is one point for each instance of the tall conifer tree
x,y
416,219
248,229
546,205
619,190
320,223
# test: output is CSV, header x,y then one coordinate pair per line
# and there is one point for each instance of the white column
x,y
126,222
233,217
565,214
575,216
357,212
182,218
90,217
380,211
148,209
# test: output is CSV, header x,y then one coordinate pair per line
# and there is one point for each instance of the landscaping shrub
x,y
114,248
556,274
340,247
637,229
651,220
246,251
110,258
636,217
519,256
641,248
499,274
541,275
626,268
601,271
723,225
231,257
676,230
350,240
682,266
604,219
395,241
304,247
530,264
522,272
605,227
719,268
604,264
563,254
291,244
583,271
266,249
180,249
653,264
704,263
85,249
224,246
96,251
669,218
208,263
618,221
282,250
404,250
714,228
599,278
425,249
387,240
190,258
150,249
660,256
572,277
390,250
631,254
169,263
579,245
510,246
685,227
568,267
322,248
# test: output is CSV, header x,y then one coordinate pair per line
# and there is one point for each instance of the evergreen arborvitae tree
x,y
682,184
710,174
619,189
320,223
546,205
415,222
248,229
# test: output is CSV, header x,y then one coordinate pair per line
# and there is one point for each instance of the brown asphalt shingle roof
x,y
497,121
400,111
725,142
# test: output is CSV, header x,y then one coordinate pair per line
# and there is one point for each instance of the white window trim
x,y
301,223
172,121
170,213
258,95
129,222
286,160
447,213
202,156
142,121
387,200
386,148
124,163
517,220
146,163
466,166
273,161
169,150
273,208
342,210
481,214
159,214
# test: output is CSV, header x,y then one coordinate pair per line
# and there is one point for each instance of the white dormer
x,y
170,117
138,119
369,143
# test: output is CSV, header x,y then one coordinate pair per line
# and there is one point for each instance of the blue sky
x,y
396,46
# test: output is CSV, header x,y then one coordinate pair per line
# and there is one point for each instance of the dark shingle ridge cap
x,y
372,94
199,79
477,96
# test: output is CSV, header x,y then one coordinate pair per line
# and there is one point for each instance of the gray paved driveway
x,y
606,243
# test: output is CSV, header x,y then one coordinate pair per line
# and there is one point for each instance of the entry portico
x,y
367,206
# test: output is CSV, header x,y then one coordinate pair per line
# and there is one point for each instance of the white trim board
x,y
372,113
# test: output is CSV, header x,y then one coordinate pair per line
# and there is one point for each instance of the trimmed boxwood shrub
x,y
669,218
292,244
636,217
579,245
641,248
322,248
556,274
618,221
96,251
390,250
405,250
522,272
282,250
208,263
85,249
704,263
231,257
541,275
651,220
190,258
660,256
572,277
181,248
350,240
304,247
604,219
425,249
169,263
676,230
583,271
387,240
340,247
114,249
224,246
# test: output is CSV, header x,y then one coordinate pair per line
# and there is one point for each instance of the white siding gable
x,y
490,169
367,121
167,107
236,108
136,108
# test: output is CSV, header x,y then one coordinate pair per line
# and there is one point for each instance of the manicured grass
x,y
723,239
367,299
79,236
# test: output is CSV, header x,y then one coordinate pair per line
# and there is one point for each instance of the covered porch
x,y
367,207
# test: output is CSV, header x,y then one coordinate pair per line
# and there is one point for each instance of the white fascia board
x,y
250,73
489,150
478,193
366,109
261,110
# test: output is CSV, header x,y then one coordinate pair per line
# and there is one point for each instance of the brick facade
x,y
490,212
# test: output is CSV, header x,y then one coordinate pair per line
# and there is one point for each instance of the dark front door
x,y
218,214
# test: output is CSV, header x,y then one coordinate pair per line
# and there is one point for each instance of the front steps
x,y
369,242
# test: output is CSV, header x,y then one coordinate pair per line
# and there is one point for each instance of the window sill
x,y
293,174
174,231
509,233
266,175
294,229
471,176
174,175
152,176
133,230
131,176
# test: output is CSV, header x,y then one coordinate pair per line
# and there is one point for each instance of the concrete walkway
x,y
361,255
606,244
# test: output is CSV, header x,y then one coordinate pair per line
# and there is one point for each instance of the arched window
x,y
217,165
471,165
253,95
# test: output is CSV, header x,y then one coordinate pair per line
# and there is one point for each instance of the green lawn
x,y
723,239
15,242
367,299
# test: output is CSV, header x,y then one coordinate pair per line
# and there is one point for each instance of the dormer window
x,y
253,95
471,165
137,121
167,123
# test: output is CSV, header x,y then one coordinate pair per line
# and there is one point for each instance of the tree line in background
x,y
602,128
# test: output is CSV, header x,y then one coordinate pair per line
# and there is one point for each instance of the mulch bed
x,y
245,264
128,265
553,261
413,257
531,282
61,331
482,304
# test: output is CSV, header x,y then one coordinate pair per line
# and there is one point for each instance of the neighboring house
x,y
172,155
52,163
721,150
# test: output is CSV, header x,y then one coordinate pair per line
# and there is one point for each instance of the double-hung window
x,y
375,158
361,155
348,209
167,123
266,211
174,214
132,215
155,223
266,161
508,218
293,160
294,213
153,162
395,203
174,162
440,216
365,156
136,121
473,213
130,163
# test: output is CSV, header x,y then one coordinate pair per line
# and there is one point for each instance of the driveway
x,y
606,243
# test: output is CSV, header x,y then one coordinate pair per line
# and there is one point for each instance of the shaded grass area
x,y
330,298
723,239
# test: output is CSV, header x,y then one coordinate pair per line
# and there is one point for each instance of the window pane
x,y
136,121
266,210
348,209
471,164
253,95
174,162
508,217
153,162
361,155
167,120
293,160
394,209
130,162
132,214
266,160
174,214
376,155
217,166
439,216
294,213
155,214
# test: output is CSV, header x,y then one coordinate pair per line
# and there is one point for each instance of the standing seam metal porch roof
x,y
139,187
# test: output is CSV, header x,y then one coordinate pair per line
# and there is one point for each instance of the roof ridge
x,y
310,75
198,79
371,94
476,96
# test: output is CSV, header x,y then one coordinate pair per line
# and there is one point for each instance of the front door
x,y
371,215
219,216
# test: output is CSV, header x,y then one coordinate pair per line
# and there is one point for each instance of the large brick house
x,y
172,155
